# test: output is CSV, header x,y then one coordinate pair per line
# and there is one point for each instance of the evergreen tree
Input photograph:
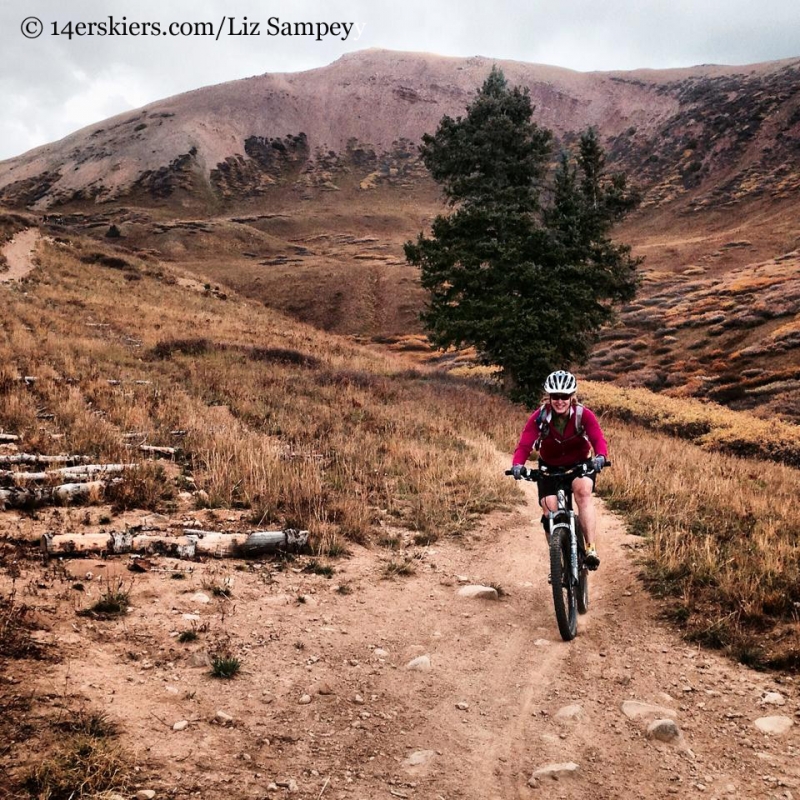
x,y
527,284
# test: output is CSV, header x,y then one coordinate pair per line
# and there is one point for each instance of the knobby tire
x,y
565,598
583,591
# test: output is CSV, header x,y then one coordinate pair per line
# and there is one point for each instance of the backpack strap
x,y
543,421
579,429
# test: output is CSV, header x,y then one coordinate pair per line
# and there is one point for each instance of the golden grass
x,y
712,427
300,428
725,540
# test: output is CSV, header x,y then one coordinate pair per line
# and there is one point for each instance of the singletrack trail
x,y
19,255
326,706
507,662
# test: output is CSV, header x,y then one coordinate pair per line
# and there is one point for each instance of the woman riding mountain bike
x,y
565,433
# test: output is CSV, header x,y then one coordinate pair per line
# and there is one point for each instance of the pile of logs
x,y
80,481
191,544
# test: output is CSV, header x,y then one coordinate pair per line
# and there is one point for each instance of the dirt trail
x,y
372,728
19,255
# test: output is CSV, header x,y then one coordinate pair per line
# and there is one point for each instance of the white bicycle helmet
x,y
560,382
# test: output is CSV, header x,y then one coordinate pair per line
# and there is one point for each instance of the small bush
x,y
85,763
315,568
224,666
15,628
89,723
114,601
187,347
282,355
219,588
114,262
396,568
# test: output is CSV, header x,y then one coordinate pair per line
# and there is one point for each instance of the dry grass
x,y
296,426
85,762
15,631
710,426
724,541
307,430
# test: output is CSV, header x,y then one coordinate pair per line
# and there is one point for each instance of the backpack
x,y
543,421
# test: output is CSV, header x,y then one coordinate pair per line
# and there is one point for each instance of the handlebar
x,y
579,471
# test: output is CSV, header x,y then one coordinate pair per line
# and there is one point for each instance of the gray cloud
x,y
52,86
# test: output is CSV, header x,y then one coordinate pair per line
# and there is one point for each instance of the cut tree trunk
x,y
18,497
158,451
32,458
193,543
83,472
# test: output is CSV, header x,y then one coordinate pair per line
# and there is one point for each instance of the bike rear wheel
x,y
564,592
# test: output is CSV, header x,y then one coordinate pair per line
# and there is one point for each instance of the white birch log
x,y
175,546
77,544
80,544
94,469
32,458
158,451
192,544
78,474
250,544
9,438
18,497
70,492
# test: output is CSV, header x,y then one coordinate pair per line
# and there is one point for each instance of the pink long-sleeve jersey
x,y
562,449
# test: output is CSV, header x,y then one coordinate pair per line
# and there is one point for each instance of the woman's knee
x,y
582,491
549,503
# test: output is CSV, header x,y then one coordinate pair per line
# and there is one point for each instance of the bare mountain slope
x,y
676,128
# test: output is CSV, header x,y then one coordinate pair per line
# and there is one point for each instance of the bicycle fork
x,y
573,534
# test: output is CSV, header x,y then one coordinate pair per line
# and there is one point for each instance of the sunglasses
x,y
560,397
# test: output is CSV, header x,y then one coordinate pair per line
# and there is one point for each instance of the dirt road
x,y
326,706
19,255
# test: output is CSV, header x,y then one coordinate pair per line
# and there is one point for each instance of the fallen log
x,y
33,458
9,438
80,544
33,497
158,451
193,543
251,544
94,469
78,474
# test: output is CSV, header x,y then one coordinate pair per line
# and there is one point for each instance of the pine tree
x,y
528,286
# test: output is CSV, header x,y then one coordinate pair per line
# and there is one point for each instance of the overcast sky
x,y
52,85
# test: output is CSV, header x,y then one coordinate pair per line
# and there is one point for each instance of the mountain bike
x,y
568,575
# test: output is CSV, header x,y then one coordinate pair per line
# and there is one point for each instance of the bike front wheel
x,y
565,597
583,591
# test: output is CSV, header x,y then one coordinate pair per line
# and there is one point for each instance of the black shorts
x,y
549,485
